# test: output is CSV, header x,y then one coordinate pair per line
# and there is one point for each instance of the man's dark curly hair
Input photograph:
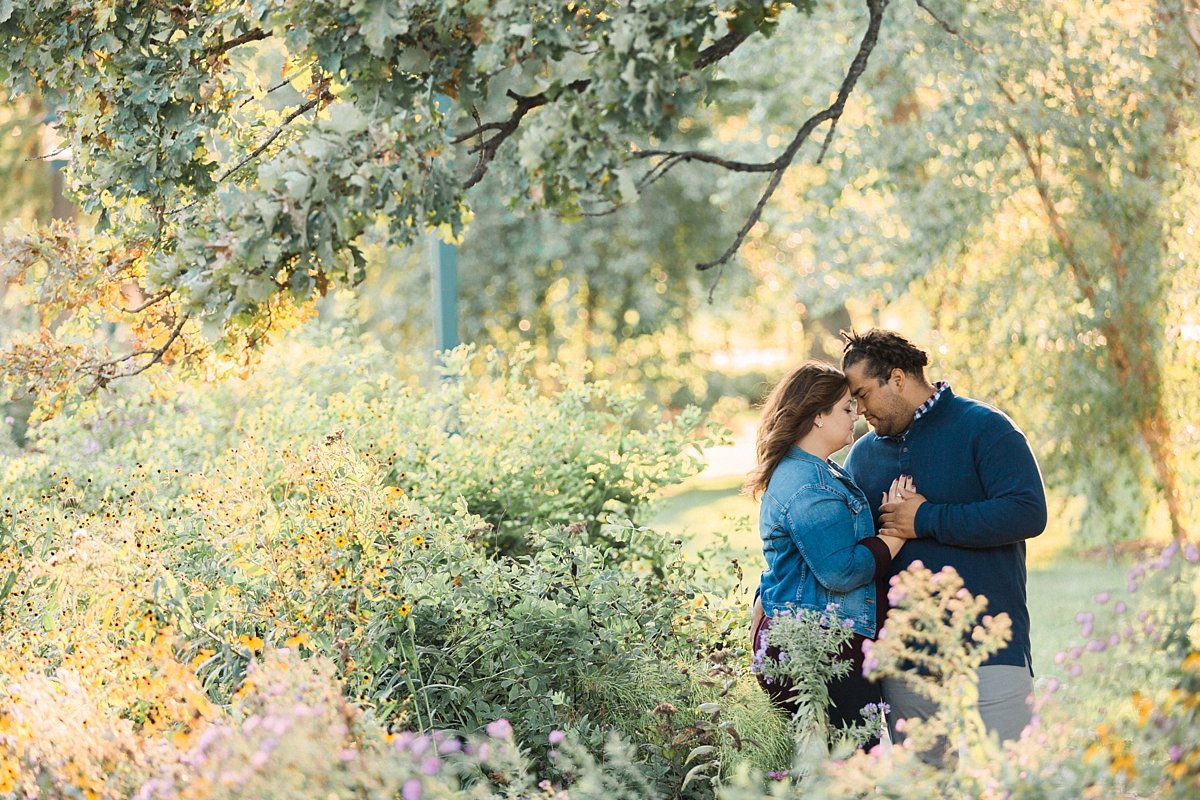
x,y
883,351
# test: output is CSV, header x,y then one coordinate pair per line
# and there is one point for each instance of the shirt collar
x,y
923,409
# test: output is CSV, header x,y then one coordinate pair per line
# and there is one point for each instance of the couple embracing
x,y
941,479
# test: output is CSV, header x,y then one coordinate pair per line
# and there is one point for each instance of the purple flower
x,y
500,729
1097,646
1060,657
557,737
1074,653
1175,753
1052,685
1101,598
777,776
1191,553
430,765
1120,607
1075,671
449,746
1114,640
1143,616
875,709
412,789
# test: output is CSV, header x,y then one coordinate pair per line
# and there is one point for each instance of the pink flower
x,y
500,729
556,738
412,789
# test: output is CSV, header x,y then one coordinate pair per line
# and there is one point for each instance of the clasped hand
x,y
898,509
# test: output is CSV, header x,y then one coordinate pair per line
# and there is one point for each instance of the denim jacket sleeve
x,y
823,529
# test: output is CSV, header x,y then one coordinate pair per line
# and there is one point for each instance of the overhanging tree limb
x,y
831,114
486,148
105,371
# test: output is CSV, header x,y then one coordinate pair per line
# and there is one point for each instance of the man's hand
x,y
756,617
898,511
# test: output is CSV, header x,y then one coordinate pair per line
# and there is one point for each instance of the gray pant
x,y
1005,696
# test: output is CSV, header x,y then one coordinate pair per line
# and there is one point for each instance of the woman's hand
x,y
894,543
755,617
901,488
898,509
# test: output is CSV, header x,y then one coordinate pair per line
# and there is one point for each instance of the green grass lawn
x,y
1061,584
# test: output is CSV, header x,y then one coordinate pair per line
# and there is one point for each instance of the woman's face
x,y
839,422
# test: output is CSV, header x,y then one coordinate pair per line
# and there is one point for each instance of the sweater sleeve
x,y
1015,506
824,534
881,554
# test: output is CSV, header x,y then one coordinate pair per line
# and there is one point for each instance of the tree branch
x,y
1190,27
163,295
1077,265
257,151
486,148
719,49
102,373
950,29
50,155
780,165
253,35
275,134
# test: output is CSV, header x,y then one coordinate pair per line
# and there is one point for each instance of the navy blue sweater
x,y
985,498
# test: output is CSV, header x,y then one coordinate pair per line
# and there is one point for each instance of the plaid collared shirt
x,y
923,409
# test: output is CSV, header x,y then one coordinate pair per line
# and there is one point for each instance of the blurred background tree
x,y
1027,173
1014,186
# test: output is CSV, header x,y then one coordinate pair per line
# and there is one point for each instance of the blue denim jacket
x,y
811,520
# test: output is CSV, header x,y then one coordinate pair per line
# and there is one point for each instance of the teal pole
x,y
445,294
445,279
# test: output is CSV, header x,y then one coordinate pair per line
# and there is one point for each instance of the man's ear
x,y
897,378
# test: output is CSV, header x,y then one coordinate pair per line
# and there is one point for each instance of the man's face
x,y
884,408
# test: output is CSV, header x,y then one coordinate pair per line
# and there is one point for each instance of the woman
x,y
818,537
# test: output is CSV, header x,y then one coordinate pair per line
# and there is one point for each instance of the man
x,y
982,498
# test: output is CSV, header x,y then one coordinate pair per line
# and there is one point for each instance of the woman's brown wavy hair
x,y
788,415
